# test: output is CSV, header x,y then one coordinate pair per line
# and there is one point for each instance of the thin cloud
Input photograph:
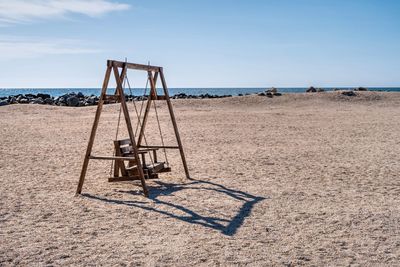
x,y
20,47
22,11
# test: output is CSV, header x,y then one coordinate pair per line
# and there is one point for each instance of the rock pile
x,y
270,92
312,89
70,99
80,100
202,96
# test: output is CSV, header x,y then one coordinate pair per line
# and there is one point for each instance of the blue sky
x,y
281,43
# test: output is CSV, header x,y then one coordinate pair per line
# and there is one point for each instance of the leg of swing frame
x,y
171,113
93,132
129,126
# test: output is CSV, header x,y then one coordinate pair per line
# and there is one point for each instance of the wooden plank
x,y
130,130
156,167
112,158
118,163
158,147
120,64
171,112
146,114
153,91
93,132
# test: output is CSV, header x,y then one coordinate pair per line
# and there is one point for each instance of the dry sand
x,y
305,179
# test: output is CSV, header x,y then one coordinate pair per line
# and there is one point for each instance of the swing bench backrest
x,y
124,146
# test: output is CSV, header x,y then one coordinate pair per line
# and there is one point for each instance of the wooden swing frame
x,y
153,73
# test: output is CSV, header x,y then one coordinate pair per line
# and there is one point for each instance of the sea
x,y
172,91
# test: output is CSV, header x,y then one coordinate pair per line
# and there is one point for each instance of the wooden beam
x,y
93,132
130,130
120,64
147,109
156,147
112,158
171,112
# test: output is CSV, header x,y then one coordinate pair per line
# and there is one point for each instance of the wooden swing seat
x,y
124,150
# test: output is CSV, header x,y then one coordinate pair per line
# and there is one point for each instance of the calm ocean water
x,y
172,91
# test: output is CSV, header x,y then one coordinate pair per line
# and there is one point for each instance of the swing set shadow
x,y
227,226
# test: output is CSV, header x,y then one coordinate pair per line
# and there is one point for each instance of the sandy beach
x,y
300,179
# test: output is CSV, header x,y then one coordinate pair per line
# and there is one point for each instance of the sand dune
x,y
302,179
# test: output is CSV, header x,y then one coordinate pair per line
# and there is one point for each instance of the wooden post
x,y
147,109
94,129
129,126
171,112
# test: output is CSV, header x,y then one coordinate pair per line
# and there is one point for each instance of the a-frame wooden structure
x,y
153,73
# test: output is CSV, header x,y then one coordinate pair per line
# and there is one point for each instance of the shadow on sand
x,y
225,225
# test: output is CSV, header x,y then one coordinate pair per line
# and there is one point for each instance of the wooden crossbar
x,y
121,64
157,147
112,158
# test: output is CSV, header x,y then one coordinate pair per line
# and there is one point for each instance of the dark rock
x,y
3,103
349,93
269,94
23,101
273,90
62,99
261,94
240,94
49,101
30,96
361,89
38,100
12,100
43,96
319,90
80,95
92,100
311,90
73,101
277,94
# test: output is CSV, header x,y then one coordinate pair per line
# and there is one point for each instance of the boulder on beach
x,y
38,100
43,96
361,89
311,90
271,92
73,101
349,93
49,101
3,103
